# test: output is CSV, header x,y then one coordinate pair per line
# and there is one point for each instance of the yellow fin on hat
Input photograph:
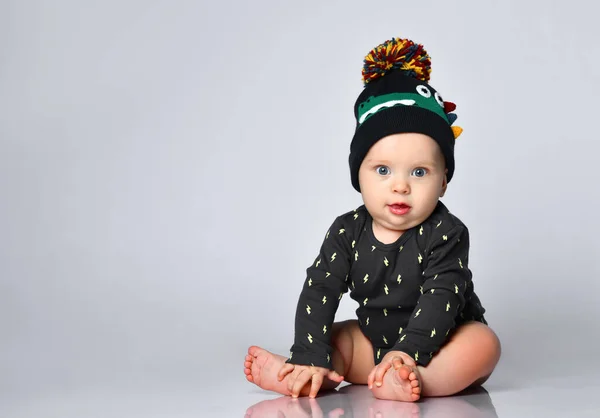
x,y
457,130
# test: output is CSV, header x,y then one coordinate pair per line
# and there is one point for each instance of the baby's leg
x,y
468,358
349,343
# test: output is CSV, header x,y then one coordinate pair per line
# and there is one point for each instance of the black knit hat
x,y
397,99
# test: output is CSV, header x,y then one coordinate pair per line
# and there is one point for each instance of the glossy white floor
x,y
232,396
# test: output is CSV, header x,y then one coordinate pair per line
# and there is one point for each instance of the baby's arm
x,y
320,297
443,298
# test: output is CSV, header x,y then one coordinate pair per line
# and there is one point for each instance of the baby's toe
x,y
404,372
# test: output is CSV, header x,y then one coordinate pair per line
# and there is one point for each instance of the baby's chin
x,y
394,227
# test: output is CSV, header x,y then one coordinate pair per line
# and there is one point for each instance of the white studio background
x,y
168,170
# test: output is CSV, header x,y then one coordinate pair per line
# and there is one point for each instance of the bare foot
x,y
261,368
402,384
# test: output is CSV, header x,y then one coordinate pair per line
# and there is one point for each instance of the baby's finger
x,y
397,362
371,377
333,375
292,378
381,369
285,369
317,381
406,359
301,380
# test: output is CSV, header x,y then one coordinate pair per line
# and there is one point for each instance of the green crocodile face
x,y
422,98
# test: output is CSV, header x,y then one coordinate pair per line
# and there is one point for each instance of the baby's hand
x,y
300,375
392,359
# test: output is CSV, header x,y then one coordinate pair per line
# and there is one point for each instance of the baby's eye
x,y
383,170
419,172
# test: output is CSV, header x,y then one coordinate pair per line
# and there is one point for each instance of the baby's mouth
x,y
399,208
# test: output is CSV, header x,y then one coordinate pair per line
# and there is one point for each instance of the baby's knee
x,y
488,344
341,338
482,339
491,341
342,343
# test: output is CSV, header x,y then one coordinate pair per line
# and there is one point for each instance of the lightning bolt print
x,y
365,301
421,230
401,248
384,312
333,257
342,231
385,340
356,255
309,282
421,289
445,237
460,263
385,261
447,306
399,279
308,309
324,300
386,290
438,225
400,330
378,353
432,290
373,248
433,333
417,356
353,243
455,288
418,313
366,278
402,338
367,320
327,274
324,329
310,339
318,262
355,216
420,258
328,358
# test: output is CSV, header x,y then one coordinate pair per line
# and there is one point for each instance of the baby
x,y
420,328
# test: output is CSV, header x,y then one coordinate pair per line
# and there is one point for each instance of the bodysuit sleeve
x,y
442,299
323,288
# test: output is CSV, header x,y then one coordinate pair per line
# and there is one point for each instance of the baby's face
x,y
401,179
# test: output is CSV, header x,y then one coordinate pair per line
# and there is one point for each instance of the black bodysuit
x,y
412,293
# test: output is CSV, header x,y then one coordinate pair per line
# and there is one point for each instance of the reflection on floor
x,y
358,401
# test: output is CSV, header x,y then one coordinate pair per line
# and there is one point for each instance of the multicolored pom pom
x,y
397,54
